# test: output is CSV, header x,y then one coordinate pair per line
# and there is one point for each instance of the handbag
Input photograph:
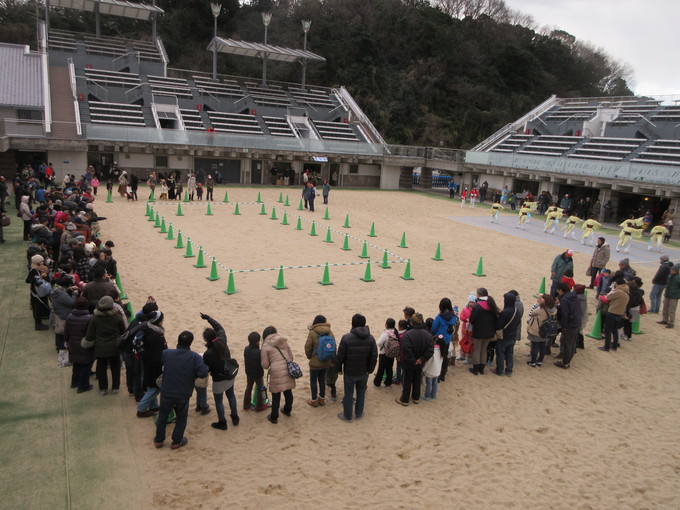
x,y
57,323
294,369
589,271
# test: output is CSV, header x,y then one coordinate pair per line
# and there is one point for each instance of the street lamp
x,y
266,19
216,9
306,24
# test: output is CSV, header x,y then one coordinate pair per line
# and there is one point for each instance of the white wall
x,y
389,177
68,162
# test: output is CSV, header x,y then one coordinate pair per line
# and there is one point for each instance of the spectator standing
x,y
617,300
356,359
559,266
317,368
75,329
659,283
254,373
418,347
274,356
385,355
570,320
325,191
508,323
152,337
483,321
444,324
599,260
671,296
181,367
103,330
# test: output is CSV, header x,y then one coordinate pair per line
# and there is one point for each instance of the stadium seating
x,y
335,131
116,113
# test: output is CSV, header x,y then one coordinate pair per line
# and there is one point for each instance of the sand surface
x,y
600,435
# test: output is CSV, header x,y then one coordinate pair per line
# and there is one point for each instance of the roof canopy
x,y
258,50
113,7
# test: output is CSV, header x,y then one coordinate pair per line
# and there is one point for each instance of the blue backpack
x,y
326,349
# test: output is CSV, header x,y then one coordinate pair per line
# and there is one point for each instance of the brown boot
x,y
321,401
313,403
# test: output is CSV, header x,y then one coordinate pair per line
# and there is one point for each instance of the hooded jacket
x,y
24,209
62,301
441,324
618,299
510,318
357,352
312,344
560,265
483,320
279,378
104,329
417,344
74,331
252,361
570,311
662,274
536,318
154,345
601,256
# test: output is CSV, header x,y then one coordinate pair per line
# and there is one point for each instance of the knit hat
x,y
624,262
81,304
37,259
417,318
676,268
105,303
156,317
664,258
472,297
70,226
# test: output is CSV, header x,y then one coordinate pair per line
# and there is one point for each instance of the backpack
x,y
549,328
325,351
230,370
138,345
392,347
126,338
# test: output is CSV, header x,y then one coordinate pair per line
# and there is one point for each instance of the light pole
x,y
216,9
306,24
266,19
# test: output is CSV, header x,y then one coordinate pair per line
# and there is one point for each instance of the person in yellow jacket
x,y
524,213
495,211
589,226
628,231
532,207
656,235
552,218
570,225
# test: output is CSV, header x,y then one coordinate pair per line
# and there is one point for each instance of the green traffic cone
x,y
171,235
402,244
385,263
372,232
273,216
541,288
128,305
263,212
364,251
280,200
108,197
186,195
179,210
152,215
596,332
287,203
326,280
152,197
199,262
300,208
438,253
480,268
236,211
346,225
367,273
285,219
231,287
120,287
180,242
325,215
226,197
328,236
345,244
213,271
313,231
259,198
636,327
158,221
189,254
407,271
209,211
299,224
164,229
148,208
280,285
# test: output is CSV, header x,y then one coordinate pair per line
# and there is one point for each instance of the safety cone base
x,y
327,283
279,288
364,257
437,259
189,256
229,292
367,280
200,266
409,278
475,274
212,278
595,337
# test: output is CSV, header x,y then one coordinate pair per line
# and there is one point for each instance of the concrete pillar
x,y
406,178
426,178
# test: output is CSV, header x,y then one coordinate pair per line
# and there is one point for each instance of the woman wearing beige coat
x,y
274,354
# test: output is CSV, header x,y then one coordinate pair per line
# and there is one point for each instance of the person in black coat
x,y
134,370
570,320
81,359
356,359
152,363
508,321
418,347
254,373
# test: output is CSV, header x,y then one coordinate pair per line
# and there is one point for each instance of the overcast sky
x,y
645,34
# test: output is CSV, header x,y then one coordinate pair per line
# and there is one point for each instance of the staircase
x,y
63,114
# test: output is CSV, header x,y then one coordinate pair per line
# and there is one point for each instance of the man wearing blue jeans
x,y
659,283
181,367
357,357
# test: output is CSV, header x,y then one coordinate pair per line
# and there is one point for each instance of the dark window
x,y
354,169
161,162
